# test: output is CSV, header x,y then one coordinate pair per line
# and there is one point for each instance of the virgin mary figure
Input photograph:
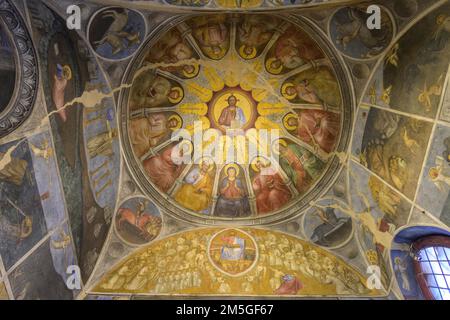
x,y
232,200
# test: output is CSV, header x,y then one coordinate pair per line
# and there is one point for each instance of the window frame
x,y
418,245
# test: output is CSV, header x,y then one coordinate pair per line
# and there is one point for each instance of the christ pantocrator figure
x,y
232,116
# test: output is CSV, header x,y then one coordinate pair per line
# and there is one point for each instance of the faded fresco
x,y
231,262
391,148
22,220
421,56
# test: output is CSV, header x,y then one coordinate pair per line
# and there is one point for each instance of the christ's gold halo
x,y
231,165
269,66
284,89
233,96
245,55
180,95
193,73
286,121
255,161
67,72
179,121
209,162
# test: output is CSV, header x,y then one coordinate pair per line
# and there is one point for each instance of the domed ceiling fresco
x,y
244,107
220,148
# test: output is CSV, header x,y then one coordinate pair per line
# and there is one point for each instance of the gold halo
x,y
247,56
192,74
209,161
269,67
178,118
232,165
285,94
255,160
275,144
433,173
287,118
232,95
191,148
67,72
181,95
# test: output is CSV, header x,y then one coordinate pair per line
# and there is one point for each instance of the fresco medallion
x,y
138,221
233,252
352,36
116,33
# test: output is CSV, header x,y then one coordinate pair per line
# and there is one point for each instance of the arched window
x,y
432,266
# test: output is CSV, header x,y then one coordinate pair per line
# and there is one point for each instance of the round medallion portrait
x,y
327,227
222,124
116,33
233,252
138,221
356,35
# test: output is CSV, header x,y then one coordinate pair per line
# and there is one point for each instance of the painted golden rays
x,y
217,81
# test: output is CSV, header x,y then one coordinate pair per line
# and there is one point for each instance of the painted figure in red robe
x,y
317,127
163,169
291,285
271,191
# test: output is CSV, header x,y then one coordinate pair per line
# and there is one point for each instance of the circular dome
x,y
235,118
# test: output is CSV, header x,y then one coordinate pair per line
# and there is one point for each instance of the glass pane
x,y
436,267
447,252
436,293
447,278
445,294
426,268
431,253
441,253
441,281
445,265
430,280
7,68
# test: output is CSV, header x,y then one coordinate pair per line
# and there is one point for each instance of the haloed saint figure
x,y
232,116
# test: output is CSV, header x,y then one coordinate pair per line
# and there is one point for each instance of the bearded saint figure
x,y
271,191
293,50
147,132
163,169
317,127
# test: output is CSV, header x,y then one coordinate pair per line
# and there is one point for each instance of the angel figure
x,y
426,93
438,175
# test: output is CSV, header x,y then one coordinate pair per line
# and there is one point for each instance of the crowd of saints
x,y
233,80
233,261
